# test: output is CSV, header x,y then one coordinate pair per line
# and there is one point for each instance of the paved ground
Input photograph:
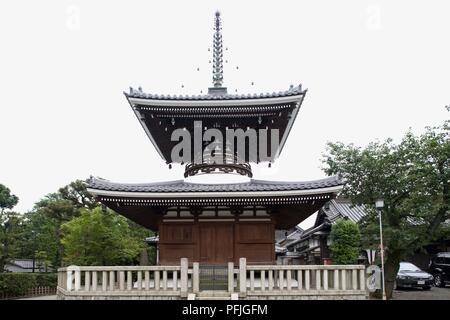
x,y
41,298
404,294
419,294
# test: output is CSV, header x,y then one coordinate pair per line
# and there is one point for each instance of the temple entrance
x,y
213,277
216,242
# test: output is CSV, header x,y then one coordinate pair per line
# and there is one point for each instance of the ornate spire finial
x,y
217,53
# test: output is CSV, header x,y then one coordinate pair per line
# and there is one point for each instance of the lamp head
x,y
379,204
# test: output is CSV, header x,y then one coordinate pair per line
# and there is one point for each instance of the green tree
x,y
42,228
10,226
345,242
100,238
7,199
77,193
413,179
59,211
40,234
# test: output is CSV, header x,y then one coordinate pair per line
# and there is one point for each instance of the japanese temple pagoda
x,y
216,223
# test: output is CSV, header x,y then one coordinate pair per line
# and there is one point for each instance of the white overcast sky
x,y
372,68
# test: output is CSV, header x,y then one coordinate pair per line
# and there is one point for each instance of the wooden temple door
x,y
216,242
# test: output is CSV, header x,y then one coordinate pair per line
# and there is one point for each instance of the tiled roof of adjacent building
x,y
180,186
293,91
343,208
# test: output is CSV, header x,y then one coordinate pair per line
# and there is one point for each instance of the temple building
x,y
217,223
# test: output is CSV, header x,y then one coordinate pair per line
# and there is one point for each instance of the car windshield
x,y
406,266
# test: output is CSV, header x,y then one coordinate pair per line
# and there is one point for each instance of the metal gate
x,y
213,277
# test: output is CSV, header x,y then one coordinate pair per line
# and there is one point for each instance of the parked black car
x,y
440,268
410,276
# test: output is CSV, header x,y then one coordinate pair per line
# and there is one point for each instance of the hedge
x,y
18,284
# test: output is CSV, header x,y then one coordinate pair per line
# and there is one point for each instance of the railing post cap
x,y
73,268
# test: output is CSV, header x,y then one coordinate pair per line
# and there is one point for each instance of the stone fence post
x,y
184,277
195,277
242,277
230,277
73,273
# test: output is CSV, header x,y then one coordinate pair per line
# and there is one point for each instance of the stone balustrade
x,y
303,281
249,281
125,282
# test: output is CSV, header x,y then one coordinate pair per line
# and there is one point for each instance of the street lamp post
x,y
379,205
34,249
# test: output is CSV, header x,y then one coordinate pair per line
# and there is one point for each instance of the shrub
x,y
18,284
46,279
345,242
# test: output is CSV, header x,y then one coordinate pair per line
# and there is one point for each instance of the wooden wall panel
x,y
256,232
172,253
206,238
174,232
257,252
224,242
216,242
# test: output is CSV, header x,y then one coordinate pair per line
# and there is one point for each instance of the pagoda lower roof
x,y
252,188
146,203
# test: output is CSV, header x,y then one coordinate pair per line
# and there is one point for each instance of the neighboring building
x,y
25,265
312,247
216,223
283,237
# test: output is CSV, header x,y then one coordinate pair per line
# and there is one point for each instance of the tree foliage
x,y
413,179
345,242
100,238
47,217
10,226
7,199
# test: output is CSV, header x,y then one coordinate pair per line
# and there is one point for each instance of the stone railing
x,y
301,281
125,282
244,281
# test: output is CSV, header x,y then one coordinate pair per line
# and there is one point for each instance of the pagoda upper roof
x,y
140,94
97,186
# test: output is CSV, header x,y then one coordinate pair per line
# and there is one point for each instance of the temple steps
x,y
213,295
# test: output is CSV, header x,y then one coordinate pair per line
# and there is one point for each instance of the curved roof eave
x,y
175,189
